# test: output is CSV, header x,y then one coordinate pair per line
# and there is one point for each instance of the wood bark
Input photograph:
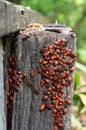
x,y
26,114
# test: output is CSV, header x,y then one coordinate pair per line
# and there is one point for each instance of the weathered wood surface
x,y
2,104
6,54
15,17
26,114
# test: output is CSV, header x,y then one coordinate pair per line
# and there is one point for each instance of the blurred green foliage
x,y
79,97
76,122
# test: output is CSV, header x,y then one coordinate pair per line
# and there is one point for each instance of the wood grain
x,y
16,17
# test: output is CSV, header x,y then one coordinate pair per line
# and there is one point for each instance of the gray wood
x,y
16,17
26,114
2,104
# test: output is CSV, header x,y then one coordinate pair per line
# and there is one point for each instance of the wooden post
x,y
2,104
25,55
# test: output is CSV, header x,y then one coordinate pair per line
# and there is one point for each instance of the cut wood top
x,y
59,28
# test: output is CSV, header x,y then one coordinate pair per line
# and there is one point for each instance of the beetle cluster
x,y
56,68
15,79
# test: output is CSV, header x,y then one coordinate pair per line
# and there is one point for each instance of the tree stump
x,y
25,112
